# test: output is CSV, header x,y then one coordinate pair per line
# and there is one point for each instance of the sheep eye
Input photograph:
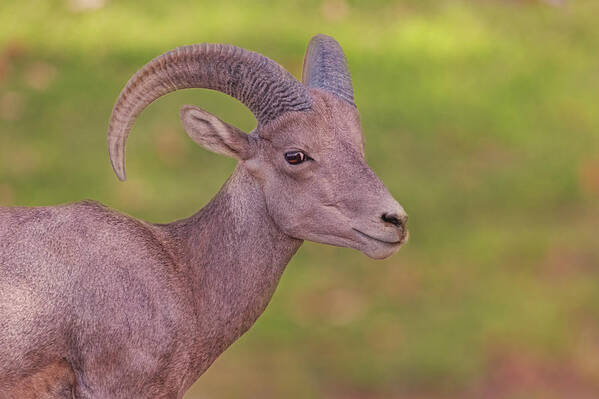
x,y
295,157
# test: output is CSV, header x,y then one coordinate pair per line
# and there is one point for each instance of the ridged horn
x,y
325,68
265,87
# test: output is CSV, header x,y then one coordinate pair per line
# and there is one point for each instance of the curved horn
x,y
261,84
325,68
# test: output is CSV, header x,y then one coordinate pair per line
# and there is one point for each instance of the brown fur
x,y
55,380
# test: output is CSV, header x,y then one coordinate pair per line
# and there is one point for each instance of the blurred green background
x,y
480,116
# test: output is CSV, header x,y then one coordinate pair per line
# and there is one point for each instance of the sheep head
x,y
307,151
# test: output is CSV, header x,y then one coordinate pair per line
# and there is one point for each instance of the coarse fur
x,y
97,304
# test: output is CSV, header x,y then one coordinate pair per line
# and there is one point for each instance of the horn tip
x,y
323,37
122,177
117,156
119,171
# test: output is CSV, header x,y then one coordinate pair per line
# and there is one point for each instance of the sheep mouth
x,y
378,239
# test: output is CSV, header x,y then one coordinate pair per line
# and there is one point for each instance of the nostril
x,y
393,219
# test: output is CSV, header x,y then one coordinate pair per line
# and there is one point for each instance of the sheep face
x,y
311,168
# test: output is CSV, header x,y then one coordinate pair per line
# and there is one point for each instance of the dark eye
x,y
295,157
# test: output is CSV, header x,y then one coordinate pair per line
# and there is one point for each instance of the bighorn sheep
x,y
96,304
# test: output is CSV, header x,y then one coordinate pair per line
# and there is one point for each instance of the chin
x,y
381,252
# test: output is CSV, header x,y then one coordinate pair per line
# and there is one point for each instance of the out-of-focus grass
x,y
481,117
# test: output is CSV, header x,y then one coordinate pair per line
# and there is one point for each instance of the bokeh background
x,y
480,116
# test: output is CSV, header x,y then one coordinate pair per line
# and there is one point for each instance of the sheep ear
x,y
213,134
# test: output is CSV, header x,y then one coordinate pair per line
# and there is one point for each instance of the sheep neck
x,y
235,255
